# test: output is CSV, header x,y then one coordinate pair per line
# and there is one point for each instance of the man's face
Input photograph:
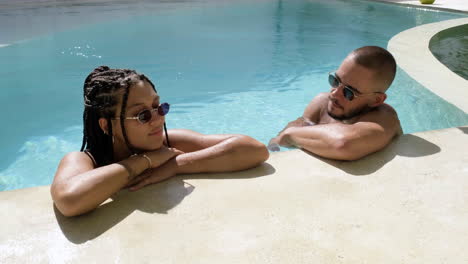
x,y
363,83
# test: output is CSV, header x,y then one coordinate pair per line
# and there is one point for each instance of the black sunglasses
x,y
348,92
146,115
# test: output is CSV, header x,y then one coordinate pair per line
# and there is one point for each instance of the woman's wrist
x,y
150,163
179,163
136,164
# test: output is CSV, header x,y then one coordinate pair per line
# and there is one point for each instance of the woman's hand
x,y
162,155
165,171
159,170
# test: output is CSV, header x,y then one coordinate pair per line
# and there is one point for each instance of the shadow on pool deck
x,y
464,129
161,198
406,145
157,198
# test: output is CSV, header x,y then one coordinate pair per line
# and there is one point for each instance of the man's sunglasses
x,y
146,115
348,92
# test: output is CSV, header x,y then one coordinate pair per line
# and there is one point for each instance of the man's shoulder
x,y
315,107
382,111
322,96
320,100
387,110
384,115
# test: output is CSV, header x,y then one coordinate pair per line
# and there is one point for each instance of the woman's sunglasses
x,y
146,115
348,92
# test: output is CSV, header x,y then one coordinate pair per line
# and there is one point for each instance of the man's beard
x,y
350,115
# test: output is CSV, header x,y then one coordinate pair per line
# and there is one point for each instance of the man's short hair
x,y
377,59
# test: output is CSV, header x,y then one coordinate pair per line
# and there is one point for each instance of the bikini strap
x,y
91,157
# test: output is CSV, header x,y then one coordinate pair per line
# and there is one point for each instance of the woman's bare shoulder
x,y
77,156
76,161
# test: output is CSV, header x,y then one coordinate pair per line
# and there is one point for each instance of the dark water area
x,y
451,48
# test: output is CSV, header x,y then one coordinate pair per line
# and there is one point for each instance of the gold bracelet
x,y
150,163
131,174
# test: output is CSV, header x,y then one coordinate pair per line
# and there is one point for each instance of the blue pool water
x,y
225,67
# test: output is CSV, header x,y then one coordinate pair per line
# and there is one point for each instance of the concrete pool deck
x,y
405,204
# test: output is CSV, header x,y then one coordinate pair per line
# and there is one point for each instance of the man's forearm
x,y
322,140
337,141
300,122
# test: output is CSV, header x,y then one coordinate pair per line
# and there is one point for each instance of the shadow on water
x,y
158,198
405,145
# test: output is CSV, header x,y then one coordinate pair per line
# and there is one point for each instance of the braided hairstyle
x,y
101,91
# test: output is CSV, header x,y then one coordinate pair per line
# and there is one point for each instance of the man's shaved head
x,y
378,60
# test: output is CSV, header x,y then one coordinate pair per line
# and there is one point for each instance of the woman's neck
x,y
121,152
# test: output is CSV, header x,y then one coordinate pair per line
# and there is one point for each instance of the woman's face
x,y
147,136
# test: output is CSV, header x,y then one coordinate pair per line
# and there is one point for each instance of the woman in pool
x,y
125,144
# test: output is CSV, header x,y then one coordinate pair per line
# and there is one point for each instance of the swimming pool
x,y
243,67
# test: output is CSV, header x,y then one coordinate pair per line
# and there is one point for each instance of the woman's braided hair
x,y
102,91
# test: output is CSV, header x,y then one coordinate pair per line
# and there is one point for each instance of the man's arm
x,y
310,117
345,141
206,153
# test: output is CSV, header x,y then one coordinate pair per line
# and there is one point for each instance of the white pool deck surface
x,y
405,204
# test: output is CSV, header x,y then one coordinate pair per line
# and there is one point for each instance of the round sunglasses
x,y
348,92
147,115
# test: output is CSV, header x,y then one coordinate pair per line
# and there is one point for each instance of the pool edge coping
x,y
417,5
411,51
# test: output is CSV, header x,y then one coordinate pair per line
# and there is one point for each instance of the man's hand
x,y
276,142
273,145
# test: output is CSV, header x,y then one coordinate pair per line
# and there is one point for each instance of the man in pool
x,y
352,120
